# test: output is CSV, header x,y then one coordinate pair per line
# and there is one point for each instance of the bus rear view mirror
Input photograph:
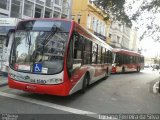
x,y
8,36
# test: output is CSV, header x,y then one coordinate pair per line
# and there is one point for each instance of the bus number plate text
x,y
38,81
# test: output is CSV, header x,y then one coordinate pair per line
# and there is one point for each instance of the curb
x,y
4,79
156,88
4,84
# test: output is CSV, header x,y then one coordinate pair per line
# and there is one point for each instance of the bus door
x,y
74,59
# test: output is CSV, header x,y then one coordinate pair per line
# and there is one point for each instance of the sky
x,y
149,47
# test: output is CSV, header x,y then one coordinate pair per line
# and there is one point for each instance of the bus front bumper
x,y
59,90
113,70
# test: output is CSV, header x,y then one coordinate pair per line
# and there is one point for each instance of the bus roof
x,y
83,31
126,52
46,19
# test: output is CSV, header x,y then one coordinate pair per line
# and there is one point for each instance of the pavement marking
x,y
156,87
113,99
46,104
56,106
4,88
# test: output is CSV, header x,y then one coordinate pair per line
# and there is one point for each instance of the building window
x,y
47,14
120,26
89,22
28,9
118,39
48,3
97,26
94,24
16,8
58,2
56,14
102,28
57,9
64,16
40,2
110,35
105,30
4,4
38,12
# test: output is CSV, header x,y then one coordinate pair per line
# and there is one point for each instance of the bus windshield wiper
x,y
46,40
28,40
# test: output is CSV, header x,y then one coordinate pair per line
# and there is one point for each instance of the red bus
x,y
126,61
57,57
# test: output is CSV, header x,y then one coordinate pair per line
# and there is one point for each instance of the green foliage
x,y
151,9
115,10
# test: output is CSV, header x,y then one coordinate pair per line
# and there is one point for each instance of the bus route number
x,y
38,81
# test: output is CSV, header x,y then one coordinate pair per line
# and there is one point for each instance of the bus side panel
x,y
96,72
59,89
77,79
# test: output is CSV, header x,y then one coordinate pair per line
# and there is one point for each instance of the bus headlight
x,y
12,76
55,81
113,65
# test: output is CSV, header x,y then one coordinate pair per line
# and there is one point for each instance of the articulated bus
x,y
126,61
57,57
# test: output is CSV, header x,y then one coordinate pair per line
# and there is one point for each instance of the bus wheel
x,y
106,74
123,70
138,69
85,83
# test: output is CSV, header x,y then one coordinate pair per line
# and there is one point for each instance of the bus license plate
x,y
38,81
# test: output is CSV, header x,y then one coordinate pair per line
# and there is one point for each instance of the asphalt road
x,y
120,93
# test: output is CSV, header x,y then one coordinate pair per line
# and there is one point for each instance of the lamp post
x,y
72,16
79,17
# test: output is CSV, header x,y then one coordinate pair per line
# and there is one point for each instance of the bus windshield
x,y
37,48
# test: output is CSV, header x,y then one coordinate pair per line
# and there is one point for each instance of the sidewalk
x,y
3,81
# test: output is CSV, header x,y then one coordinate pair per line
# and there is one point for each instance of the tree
x,y
115,10
151,10
118,10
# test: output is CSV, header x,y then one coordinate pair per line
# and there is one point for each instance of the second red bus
x,y
126,61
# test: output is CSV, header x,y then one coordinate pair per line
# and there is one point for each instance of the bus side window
x,y
94,53
70,57
103,55
78,45
99,54
87,51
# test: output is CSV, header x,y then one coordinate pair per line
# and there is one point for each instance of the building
x,y
13,10
24,9
121,36
91,17
134,41
114,33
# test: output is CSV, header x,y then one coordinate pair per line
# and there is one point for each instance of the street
x,y
120,93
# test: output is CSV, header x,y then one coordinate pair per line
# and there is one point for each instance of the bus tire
x,y
138,69
85,83
123,70
106,74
